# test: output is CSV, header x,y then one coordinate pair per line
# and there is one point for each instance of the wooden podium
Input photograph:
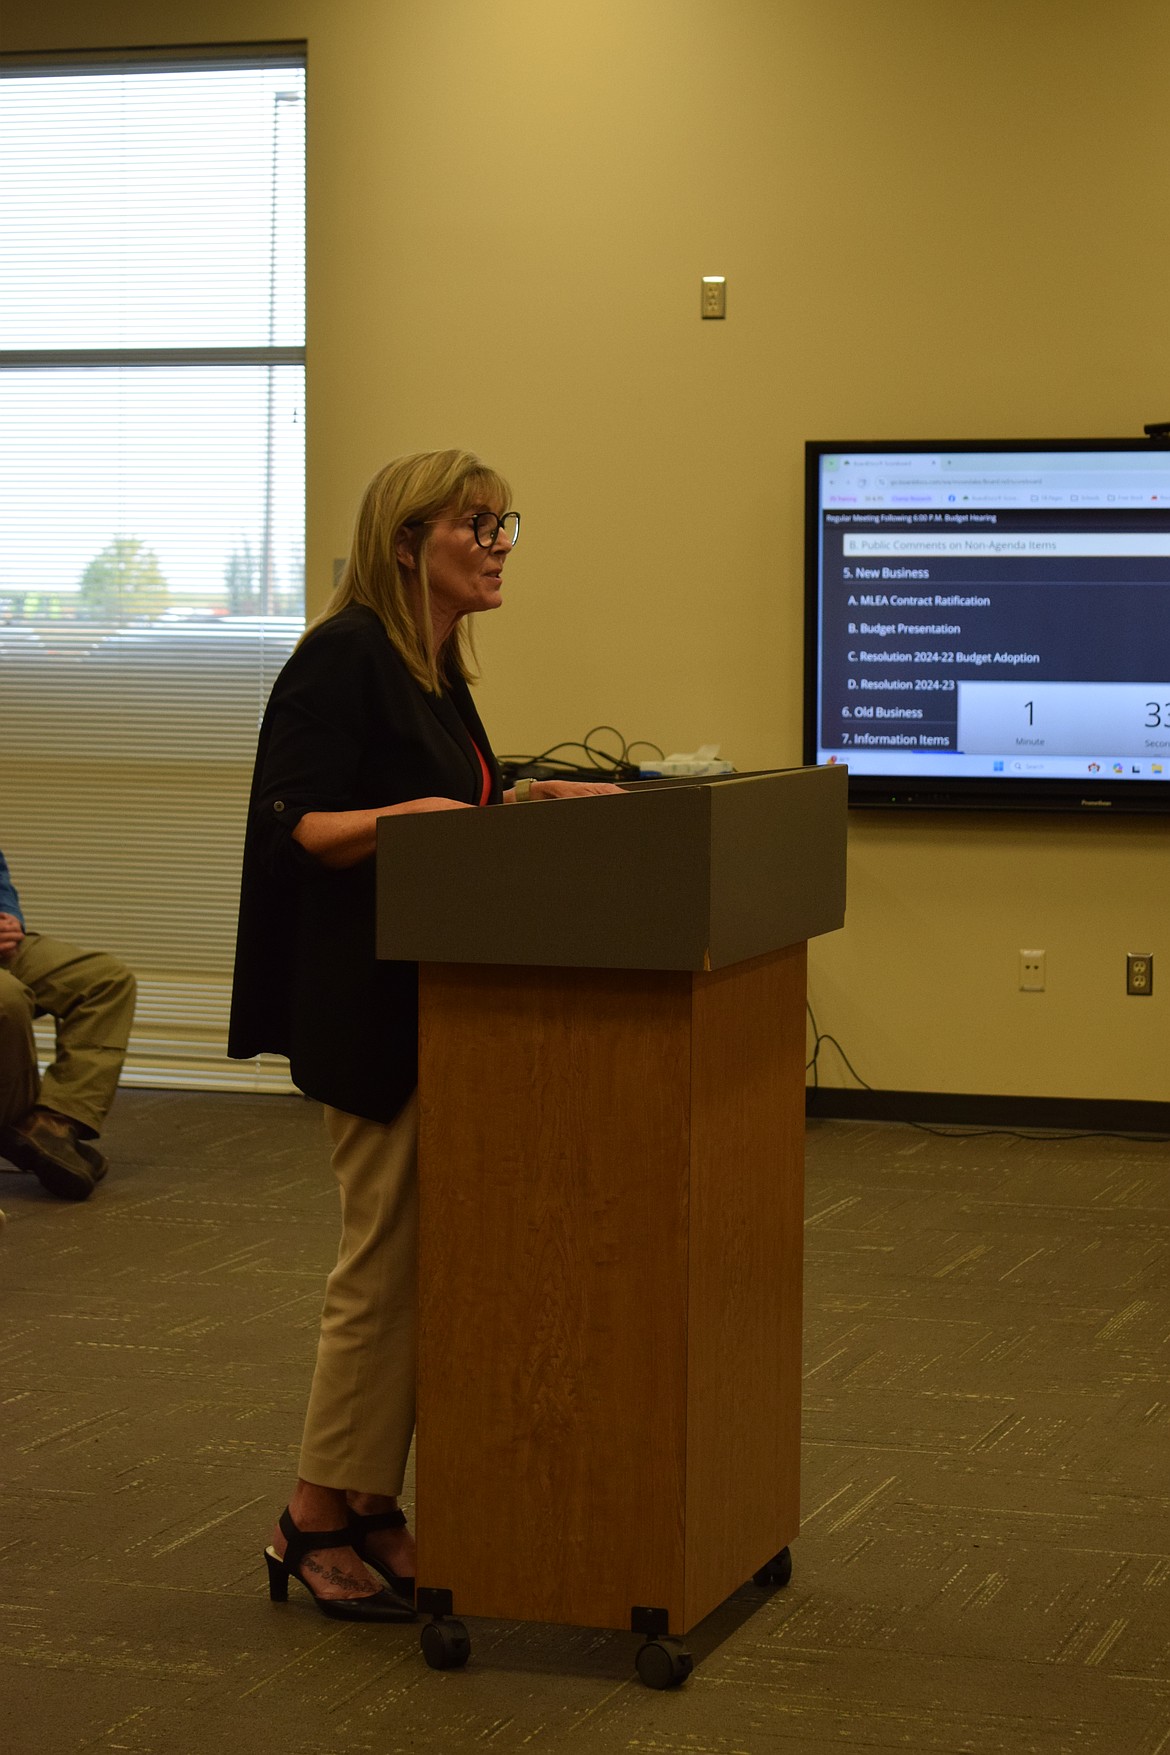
x,y
611,1086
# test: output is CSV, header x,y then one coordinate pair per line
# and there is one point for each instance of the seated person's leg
x,y
18,1054
90,995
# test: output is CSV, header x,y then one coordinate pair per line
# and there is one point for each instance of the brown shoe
x,y
47,1145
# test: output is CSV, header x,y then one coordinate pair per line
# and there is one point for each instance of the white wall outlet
x,y
1139,973
714,295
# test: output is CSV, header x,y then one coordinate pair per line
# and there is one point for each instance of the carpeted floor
x,y
985,1559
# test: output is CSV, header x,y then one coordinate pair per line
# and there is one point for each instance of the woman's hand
x,y
341,838
542,790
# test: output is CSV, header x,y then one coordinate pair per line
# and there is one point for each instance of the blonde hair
x,y
400,499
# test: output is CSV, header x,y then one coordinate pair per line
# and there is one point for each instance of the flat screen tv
x,y
988,623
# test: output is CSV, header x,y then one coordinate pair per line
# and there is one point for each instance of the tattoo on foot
x,y
335,1575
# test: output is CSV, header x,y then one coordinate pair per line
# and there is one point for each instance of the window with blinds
x,y
151,506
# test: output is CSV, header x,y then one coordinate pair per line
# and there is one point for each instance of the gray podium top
x,y
684,874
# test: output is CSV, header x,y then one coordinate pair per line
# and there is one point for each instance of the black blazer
x,y
346,728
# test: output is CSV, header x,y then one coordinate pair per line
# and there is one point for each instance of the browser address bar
x,y
1030,543
944,483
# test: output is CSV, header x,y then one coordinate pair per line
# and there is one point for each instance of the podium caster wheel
x,y
664,1663
445,1644
777,1572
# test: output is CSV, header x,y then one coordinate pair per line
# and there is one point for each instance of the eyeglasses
x,y
486,528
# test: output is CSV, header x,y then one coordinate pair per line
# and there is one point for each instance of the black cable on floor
x,y
968,1133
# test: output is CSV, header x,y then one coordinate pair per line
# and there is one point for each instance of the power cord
x,y
606,761
964,1133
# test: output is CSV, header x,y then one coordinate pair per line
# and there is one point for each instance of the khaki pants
x,y
91,997
360,1418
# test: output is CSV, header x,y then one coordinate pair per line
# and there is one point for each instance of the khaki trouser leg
x,y
19,1079
360,1418
90,996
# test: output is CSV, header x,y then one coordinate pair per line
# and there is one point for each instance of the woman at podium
x,y
372,716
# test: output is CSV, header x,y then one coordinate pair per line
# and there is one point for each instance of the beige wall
x,y
937,217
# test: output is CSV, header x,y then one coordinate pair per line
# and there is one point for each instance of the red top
x,y
486,793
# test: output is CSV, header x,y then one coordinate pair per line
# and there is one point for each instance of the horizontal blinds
x,y
151,511
152,209
123,824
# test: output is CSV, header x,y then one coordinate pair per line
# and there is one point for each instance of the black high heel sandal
x,y
382,1606
363,1525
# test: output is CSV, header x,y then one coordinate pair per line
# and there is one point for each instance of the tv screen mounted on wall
x,y
988,623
